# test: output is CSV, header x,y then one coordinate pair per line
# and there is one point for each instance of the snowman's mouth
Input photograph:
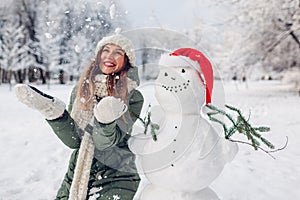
x,y
177,88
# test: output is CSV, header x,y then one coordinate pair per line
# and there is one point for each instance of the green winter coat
x,y
118,176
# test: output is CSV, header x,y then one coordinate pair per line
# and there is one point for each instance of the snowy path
x,y
33,160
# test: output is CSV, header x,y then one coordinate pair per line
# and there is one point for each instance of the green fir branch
x,y
262,129
241,125
230,132
268,143
148,123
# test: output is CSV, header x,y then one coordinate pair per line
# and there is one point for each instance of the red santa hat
x,y
195,59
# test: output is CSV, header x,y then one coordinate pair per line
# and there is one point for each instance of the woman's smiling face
x,y
112,59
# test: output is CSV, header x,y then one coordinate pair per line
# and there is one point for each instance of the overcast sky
x,y
173,14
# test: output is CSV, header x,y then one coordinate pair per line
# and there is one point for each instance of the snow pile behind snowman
x,y
188,154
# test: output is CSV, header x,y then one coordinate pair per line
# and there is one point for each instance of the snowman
x,y
188,154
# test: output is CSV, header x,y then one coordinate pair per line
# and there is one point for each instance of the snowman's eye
x,y
166,74
182,70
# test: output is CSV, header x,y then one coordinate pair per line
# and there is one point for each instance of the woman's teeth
x,y
109,64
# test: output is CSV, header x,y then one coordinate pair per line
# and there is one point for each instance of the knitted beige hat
x,y
121,41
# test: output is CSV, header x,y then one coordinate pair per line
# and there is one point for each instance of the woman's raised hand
x,y
50,107
109,109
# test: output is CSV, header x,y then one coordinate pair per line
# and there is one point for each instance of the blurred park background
x,y
51,41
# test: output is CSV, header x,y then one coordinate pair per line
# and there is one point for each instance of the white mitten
x,y
109,109
50,107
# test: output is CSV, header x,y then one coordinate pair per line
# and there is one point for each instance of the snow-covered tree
x,y
4,14
82,26
62,35
248,39
261,34
26,12
14,50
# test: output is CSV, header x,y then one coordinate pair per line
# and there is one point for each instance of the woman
x,y
102,110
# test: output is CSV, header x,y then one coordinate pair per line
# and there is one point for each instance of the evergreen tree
x,y
14,51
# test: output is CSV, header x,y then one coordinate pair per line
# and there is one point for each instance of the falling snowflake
x,y
77,48
82,100
48,35
112,11
118,30
116,197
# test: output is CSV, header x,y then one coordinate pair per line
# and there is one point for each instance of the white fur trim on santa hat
x,y
180,61
167,60
121,41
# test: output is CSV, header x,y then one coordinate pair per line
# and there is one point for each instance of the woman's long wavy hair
x,y
116,83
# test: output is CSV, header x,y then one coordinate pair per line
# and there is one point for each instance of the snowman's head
x,y
181,85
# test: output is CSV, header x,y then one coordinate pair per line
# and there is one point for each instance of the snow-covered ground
x,y
34,161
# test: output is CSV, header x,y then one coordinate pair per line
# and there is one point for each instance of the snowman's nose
x,y
173,78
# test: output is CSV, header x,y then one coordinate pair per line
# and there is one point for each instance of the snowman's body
x,y
188,154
